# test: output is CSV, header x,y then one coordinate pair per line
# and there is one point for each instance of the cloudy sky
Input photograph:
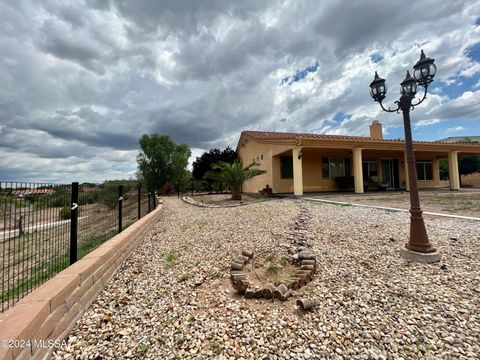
x,y
81,81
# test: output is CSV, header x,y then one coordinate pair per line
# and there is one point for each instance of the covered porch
x,y
304,169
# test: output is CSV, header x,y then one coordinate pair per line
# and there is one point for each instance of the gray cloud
x,y
57,42
82,81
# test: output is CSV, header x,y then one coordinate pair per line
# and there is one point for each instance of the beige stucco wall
x,y
313,180
250,152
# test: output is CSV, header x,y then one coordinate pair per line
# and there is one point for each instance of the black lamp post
x,y
418,247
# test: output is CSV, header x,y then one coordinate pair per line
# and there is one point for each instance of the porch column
x,y
297,172
453,170
407,182
436,171
357,170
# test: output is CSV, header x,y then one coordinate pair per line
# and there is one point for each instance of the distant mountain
x,y
461,139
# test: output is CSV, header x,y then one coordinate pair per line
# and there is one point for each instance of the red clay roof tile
x,y
272,135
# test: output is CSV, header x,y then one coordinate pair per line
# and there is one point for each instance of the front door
x,y
390,173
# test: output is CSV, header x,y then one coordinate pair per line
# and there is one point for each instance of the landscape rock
x,y
370,303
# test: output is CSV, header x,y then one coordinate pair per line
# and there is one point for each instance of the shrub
x,y
272,270
168,188
171,257
65,213
109,196
87,197
60,198
184,277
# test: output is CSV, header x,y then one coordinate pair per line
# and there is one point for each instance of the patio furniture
x,y
375,181
266,191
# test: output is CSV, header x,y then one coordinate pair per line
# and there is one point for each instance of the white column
x,y
357,170
297,172
453,170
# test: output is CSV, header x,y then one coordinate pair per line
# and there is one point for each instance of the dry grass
x,y
30,259
471,180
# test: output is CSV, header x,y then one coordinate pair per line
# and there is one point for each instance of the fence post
x,y
149,202
73,223
154,200
120,201
192,187
139,202
178,191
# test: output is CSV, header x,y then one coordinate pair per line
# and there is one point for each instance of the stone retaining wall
x,y
42,319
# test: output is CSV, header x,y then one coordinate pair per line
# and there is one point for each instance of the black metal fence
x,y
46,227
197,187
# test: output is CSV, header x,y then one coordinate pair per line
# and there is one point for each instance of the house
x,y
23,193
298,163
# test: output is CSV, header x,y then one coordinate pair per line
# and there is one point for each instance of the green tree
x,y
203,164
466,165
469,164
161,160
234,175
443,163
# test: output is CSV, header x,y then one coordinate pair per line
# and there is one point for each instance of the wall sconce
x,y
300,154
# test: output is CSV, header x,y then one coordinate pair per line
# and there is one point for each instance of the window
x,y
335,167
261,157
286,167
424,170
369,169
258,159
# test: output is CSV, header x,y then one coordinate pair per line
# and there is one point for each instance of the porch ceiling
x,y
284,153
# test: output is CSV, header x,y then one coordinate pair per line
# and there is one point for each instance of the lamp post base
x,y
415,256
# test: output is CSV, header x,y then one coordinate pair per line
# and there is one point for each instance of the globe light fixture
x,y
424,70
378,88
408,86
418,247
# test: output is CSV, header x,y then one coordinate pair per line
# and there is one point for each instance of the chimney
x,y
376,130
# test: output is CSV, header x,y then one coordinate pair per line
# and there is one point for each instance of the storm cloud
x,y
81,81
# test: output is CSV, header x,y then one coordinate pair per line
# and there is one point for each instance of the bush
x,y
168,188
59,198
109,196
65,213
88,197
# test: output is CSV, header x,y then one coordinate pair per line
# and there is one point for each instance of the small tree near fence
x,y
168,188
161,160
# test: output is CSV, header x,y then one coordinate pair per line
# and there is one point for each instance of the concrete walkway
x,y
7,234
391,209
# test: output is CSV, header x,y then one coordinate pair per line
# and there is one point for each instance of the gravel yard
x,y
465,202
172,299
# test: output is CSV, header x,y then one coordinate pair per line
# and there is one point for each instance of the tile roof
x,y
272,135
24,192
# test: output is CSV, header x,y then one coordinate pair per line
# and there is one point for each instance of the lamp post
x,y
418,248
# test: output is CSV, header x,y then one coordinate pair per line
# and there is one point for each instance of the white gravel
x,y
370,302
